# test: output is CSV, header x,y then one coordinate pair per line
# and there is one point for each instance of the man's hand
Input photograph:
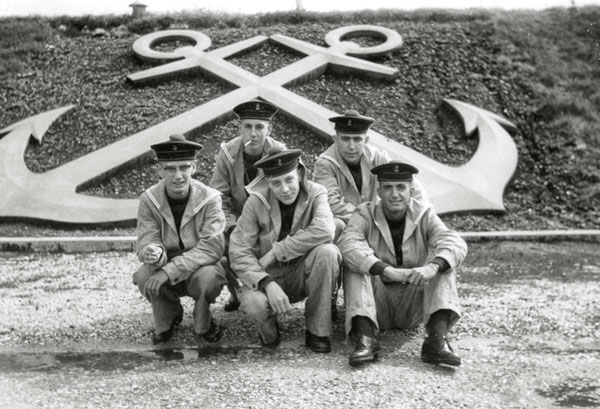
x,y
278,300
151,254
152,287
268,259
396,275
422,275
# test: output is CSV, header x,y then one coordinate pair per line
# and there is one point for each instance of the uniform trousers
x,y
397,305
310,277
204,286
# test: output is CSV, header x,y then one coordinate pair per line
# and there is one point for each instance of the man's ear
x,y
159,170
412,188
269,128
366,139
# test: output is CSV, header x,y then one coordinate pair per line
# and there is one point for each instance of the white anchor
x,y
477,185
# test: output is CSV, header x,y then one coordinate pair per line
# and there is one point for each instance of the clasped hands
x,y
414,276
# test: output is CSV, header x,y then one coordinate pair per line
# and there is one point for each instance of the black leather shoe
x,y
168,334
437,350
317,344
214,333
273,344
365,350
232,305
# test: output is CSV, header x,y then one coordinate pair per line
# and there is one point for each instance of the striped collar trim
x,y
205,201
226,152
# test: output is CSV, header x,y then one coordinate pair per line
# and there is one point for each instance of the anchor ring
x,y
335,39
142,47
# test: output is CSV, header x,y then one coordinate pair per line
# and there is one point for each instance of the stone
x,y
120,31
99,32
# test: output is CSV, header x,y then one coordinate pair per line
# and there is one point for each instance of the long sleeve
x,y
446,243
149,230
220,181
243,245
325,174
354,245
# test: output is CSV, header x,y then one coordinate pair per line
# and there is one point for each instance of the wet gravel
x,y
75,332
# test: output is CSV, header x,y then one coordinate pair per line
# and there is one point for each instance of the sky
x,y
82,7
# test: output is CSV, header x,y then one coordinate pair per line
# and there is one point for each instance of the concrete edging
x,y
127,243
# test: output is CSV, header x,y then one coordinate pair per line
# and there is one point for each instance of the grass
x,y
200,18
563,48
20,40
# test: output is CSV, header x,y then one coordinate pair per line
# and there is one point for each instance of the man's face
x,y
254,132
351,146
285,187
177,176
394,195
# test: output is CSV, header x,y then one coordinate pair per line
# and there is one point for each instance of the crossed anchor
x,y
477,185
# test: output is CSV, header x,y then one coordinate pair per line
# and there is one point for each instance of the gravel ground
x,y
75,334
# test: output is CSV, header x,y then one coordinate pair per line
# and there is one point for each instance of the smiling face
x,y
351,146
285,187
395,196
254,132
177,176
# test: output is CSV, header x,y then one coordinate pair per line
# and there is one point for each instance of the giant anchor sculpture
x,y
477,185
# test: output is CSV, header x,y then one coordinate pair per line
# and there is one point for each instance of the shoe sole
x,y
215,338
230,307
433,360
363,360
321,351
178,319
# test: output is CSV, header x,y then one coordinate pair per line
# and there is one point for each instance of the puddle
x,y
574,393
107,361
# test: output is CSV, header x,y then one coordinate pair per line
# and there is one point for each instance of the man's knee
x,y
206,279
326,260
254,304
141,276
340,225
328,253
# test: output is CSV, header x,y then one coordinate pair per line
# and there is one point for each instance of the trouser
x,y
232,280
397,305
340,225
204,286
310,277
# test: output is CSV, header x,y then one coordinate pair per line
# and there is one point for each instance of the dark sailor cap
x,y
255,109
396,171
352,122
175,149
278,162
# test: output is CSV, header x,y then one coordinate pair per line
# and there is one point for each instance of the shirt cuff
x,y
377,268
263,283
442,263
